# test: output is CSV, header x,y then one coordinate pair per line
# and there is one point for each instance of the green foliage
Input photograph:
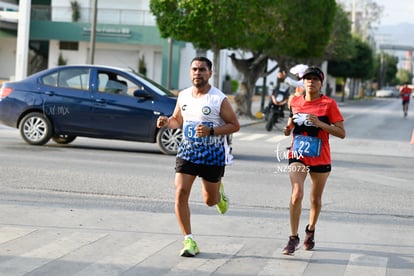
x,y
340,45
403,76
360,65
204,23
363,61
387,69
75,11
61,60
234,85
142,66
286,31
300,29
274,27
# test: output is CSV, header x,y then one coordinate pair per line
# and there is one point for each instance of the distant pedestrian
x,y
206,117
405,93
313,118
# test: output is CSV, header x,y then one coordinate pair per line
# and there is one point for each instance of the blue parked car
x,y
88,101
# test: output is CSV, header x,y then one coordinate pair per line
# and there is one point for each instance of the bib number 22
x,y
307,146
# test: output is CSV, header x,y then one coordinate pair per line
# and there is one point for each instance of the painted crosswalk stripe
x,y
124,258
9,233
206,266
35,258
282,265
365,265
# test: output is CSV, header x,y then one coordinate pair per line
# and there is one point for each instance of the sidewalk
x,y
60,240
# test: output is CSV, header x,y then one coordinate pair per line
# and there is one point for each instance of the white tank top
x,y
203,110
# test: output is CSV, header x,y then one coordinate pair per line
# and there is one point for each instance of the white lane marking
x,y
33,259
365,265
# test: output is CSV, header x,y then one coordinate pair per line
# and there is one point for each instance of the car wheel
x,y
168,140
35,129
63,138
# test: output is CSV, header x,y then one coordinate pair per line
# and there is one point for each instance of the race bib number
x,y
307,146
190,132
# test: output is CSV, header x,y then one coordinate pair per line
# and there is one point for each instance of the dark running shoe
x,y
309,242
291,246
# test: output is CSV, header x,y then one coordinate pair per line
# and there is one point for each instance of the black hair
x,y
204,59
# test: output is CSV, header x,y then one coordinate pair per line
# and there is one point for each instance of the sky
x,y
388,30
396,11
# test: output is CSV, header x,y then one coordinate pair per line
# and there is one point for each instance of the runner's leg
x,y
318,181
211,194
297,173
183,184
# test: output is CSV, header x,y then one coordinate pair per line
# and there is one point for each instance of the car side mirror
x,y
140,93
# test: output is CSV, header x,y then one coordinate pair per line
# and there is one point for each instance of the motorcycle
x,y
276,110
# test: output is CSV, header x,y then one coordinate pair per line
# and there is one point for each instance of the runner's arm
x,y
229,117
174,121
336,129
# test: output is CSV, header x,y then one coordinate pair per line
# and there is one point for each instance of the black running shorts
x,y
207,172
318,168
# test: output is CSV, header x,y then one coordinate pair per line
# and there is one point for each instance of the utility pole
x,y
353,14
93,33
22,47
169,69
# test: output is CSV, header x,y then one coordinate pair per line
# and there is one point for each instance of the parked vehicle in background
x,y
65,102
387,92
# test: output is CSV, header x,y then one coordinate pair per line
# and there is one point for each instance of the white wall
x,y
117,55
7,57
111,12
188,53
72,57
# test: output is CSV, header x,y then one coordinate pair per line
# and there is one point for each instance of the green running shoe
x,y
190,248
223,205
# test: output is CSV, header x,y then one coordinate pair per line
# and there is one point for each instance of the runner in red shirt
x,y
313,118
405,93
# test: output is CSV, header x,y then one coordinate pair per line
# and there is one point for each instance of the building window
x,y
68,45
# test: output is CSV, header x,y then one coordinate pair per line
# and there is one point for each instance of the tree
x,y
404,76
368,13
280,30
207,24
340,45
359,66
387,69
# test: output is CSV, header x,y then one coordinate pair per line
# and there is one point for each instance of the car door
x,y
67,99
117,113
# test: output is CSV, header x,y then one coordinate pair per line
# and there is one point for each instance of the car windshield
x,y
154,86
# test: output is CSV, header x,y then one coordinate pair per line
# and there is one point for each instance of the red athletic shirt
x,y
327,111
405,93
